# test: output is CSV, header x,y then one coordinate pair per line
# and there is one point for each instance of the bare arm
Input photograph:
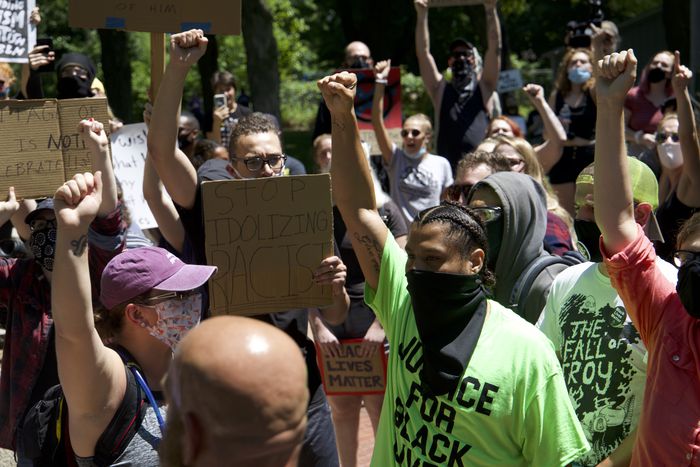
x,y
689,184
492,58
548,152
171,164
95,139
622,455
25,207
381,73
426,63
333,272
159,201
353,189
612,194
79,350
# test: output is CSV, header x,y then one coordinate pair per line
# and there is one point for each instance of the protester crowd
x,y
537,301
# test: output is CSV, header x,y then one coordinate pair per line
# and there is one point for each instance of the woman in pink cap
x,y
150,299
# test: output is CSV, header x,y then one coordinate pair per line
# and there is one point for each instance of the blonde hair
x,y
6,69
424,120
689,228
666,118
563,84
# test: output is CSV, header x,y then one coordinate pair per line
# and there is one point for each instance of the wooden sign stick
x,y
157,62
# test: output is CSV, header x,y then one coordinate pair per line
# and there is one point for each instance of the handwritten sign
x,y
129,151
212,16
509,80
17,34
267,236
40,147
352,373
441,3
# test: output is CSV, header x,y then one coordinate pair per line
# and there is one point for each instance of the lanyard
x,y
149,395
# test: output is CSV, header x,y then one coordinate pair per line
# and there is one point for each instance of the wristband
x,y
638,136
381,81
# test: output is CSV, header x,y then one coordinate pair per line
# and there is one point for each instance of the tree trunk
x,y
261,53
116,72
208,64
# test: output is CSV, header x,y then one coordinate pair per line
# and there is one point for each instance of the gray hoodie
x,y
524,226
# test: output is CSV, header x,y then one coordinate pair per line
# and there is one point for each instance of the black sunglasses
x,y
662,137
414,133
458,192
461,54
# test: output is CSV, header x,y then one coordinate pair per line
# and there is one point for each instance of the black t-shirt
x,y
462,123
671,215
582,117
293,322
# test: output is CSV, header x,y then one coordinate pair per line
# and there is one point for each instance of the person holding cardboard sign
x,y
469,382
255,152
29,365
462,105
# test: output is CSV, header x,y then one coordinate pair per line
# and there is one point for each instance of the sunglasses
x,y
662,137
461,54
156,299
681,256
256,163
40,224
458,192
415,133
488,213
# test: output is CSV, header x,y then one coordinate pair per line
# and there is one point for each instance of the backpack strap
x,y
524,283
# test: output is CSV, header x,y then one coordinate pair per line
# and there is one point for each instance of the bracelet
x,y
381,81
638,136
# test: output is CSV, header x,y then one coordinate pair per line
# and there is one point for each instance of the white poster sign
x,y
509,80
17,34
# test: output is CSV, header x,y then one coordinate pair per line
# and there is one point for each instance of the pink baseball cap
x,y
133,272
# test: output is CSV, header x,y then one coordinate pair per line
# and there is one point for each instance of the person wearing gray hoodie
x,y
513,207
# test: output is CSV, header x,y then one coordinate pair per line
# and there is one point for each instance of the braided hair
x,y
464,229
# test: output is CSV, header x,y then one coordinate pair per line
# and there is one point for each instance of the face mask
x,y
449,311
42,243
656,75
72,87
494,234
579,75
415,155
175,319
462,72
183,140
588,233
359,62
670,155
688,286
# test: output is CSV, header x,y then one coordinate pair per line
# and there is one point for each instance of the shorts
x,y
360,318
573,160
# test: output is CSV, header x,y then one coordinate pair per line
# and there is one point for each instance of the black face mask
x,y
359,62
494,235
656,75
183,140
688,286
72,87
449,310
42,243
462,71
588,233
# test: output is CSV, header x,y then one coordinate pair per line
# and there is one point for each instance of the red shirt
x,y
669,426
644,115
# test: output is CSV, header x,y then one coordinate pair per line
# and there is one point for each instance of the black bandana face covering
x,y
449,310
42,243
588,233
688,286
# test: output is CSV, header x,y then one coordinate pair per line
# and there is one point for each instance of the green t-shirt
x,y
511,408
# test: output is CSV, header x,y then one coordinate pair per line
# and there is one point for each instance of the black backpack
x,y
43,435
522,287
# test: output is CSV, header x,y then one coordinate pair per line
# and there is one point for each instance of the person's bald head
x,y
237,390
357,55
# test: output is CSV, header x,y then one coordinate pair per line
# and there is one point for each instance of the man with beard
x,y
469,382
237,395
462,105
187,133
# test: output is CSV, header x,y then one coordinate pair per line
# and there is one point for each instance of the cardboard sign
x,y
267,236
17,34
352,373
365,94
509,80
129,151
441,3
40,147
212,16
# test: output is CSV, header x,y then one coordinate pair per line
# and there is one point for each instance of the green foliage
x,y
414,98
299,101
295,56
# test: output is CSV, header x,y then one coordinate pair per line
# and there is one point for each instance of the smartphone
x,y
46,41
219,100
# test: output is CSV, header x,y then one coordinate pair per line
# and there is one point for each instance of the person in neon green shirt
x,y
469,382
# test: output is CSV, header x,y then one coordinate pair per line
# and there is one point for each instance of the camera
x,y
579,33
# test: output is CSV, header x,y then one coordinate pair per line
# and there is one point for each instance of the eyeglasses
x,y
255,163
73,70
415,133
662,137
41,224
488,213
681,256
458,192
156,299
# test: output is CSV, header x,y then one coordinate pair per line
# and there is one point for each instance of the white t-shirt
x,y
417,184
602,355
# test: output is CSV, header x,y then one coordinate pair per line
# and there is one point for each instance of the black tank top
x,y
462,125
670,215
582,117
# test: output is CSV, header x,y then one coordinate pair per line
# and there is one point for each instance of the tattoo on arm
x,y
373,249
79,245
